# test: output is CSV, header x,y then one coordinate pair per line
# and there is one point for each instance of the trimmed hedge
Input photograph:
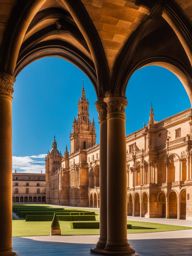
x,y
60,217
23,214
85,225
90,225
76,217
39,213
39,218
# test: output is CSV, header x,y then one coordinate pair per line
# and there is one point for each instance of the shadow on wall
x,y
29,247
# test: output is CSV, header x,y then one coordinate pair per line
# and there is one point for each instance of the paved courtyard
x,y
151,244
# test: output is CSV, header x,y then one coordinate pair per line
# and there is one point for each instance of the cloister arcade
x,y
171,205
108,40
94,190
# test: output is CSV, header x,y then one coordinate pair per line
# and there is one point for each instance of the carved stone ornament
x,y
6,84
102,110
116,104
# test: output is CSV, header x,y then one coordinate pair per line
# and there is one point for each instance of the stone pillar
x,y
167,206
117,184
188,166
6,91
149,171
178,207
141,169
102,110
141,205
167,170
180,170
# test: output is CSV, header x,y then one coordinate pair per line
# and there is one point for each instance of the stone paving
x,y
175,243
187,223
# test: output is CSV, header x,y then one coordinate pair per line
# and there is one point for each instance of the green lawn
x,y
42,228
23,228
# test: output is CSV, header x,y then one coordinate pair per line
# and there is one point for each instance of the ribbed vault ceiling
x,y
102,37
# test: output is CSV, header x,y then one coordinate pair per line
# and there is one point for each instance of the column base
x,y
115,250
8,254
110,252
101,244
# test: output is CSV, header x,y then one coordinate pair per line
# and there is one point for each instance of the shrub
x,y
85,225
129,226
55,227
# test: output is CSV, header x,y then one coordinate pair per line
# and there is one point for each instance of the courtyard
x,y
160,244
32,237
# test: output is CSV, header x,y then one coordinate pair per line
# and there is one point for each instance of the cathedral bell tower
x,y
83,134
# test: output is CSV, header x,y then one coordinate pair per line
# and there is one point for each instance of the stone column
x,y
102,110
116,184
149,172
6,91
167,206
167,170
178,207
141,205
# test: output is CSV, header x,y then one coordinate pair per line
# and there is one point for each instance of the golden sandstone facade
x,y
29,188
159,167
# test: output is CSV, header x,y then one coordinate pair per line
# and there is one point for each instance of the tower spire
x,y
54,144
151,116
83,95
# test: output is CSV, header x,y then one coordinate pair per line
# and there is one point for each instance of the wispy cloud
x,y
34,163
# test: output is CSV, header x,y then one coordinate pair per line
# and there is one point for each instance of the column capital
x,y
6,84
116,104
102,110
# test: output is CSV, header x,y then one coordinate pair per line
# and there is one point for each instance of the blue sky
x,y
46,97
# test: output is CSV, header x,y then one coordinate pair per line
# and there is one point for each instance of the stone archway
x,y
182,204
130,205
173,205
145,210
137,205
162,205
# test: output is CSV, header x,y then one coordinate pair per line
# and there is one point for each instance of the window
x,y
97,156
92,157
27,191
178,133
38,191
131,148
16,191
27,184
16,184
84,145
38,184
